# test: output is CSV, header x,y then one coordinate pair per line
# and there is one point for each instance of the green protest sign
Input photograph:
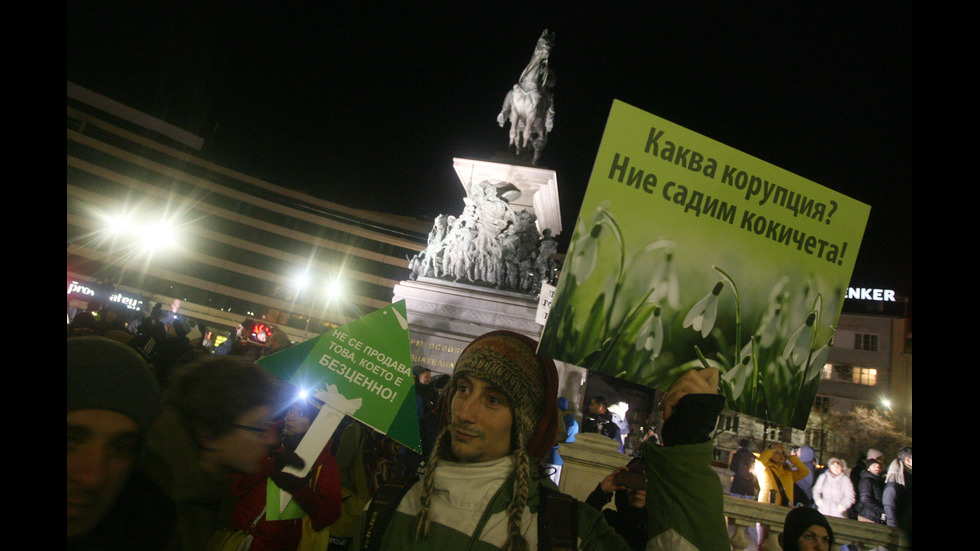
x,y
687,253
368,360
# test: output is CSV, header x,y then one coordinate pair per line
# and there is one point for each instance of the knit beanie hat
x,y
797,521
874,454
508,361
107,374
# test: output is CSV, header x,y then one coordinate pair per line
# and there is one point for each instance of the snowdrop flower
x,y
586,252
798,345
651,335
702,315
770,328
587,248
665,283
817,361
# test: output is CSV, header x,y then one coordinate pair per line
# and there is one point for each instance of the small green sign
x,y
368,360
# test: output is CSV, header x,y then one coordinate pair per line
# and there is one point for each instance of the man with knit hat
x,y
113,398
482,487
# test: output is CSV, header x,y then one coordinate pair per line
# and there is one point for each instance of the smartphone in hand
x,y
631,480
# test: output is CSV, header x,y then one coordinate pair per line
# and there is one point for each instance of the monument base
x,y
445,316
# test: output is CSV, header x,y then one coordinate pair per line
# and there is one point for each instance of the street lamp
x,y
331,291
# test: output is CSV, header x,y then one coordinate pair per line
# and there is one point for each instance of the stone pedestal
x,y
445,316
586,461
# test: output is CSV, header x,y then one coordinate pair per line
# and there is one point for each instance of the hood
x,y
806,454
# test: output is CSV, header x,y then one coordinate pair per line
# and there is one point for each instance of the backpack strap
x,y
382,506
557,521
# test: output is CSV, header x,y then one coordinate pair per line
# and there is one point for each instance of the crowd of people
x,y
869,492
197,451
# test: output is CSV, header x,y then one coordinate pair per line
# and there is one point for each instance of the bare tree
x,y
850,435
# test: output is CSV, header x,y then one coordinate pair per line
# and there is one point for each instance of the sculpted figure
x,y
529,105
488,243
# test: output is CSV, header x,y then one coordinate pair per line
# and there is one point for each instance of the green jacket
x,y
468,513
685,500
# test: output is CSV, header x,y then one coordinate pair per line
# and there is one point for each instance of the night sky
x,y
367,106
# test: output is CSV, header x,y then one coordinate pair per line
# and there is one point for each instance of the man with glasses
x,y
215,422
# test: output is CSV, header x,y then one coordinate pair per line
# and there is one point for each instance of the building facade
x,y
211,244
870,366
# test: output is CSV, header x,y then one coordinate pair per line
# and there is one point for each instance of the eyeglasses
x,y
263,429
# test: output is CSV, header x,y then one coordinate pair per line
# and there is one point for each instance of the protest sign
x,y
362,369
689,253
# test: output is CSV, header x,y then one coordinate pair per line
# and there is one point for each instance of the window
x,y
828,371
815,439
849,374
865,341
822,403
786,434
721,456
728,421
865,376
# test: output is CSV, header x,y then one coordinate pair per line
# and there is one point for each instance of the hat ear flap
x,y
546,429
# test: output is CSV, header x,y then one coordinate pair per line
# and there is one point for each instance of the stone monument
x,y
482,269
505,235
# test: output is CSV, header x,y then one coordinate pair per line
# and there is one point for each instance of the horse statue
x,y
528,105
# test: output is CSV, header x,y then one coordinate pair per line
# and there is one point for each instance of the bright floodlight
x,y
334,289
301,281
154,237
117,225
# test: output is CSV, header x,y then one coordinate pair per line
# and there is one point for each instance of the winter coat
x,y
807,455
786,475
871,490
833,494
468,511
320,500
743,475
897,497
628,521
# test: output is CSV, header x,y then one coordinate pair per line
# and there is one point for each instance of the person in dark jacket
x,y
742,466
871,488
897,498
629,519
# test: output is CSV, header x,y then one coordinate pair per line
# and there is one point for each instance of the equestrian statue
x,y
528,105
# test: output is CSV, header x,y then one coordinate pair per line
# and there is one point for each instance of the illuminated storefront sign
x,y
79,290
879,295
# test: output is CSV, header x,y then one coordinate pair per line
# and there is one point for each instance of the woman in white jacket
x,y
833,492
